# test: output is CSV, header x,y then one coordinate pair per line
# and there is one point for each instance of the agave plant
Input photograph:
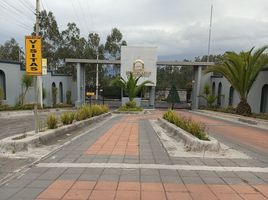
x,y
130,86
241,70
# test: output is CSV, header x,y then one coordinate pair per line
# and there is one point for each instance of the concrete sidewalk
x,y
249,121
124,159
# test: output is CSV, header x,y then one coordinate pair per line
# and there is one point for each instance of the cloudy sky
x,y
179,28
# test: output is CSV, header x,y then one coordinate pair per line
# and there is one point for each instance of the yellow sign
x,y
44,66
90,93
33,54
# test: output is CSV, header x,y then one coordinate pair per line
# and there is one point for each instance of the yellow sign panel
x,y
44,66
33,54
90,93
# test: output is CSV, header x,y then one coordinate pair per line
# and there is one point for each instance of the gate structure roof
x,y
118,62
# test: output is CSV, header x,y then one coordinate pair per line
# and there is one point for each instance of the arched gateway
x,y
141,60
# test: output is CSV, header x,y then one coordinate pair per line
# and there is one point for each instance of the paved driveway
x,y
124,159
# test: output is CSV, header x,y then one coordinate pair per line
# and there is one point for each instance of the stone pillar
x,y
196,87
80,80
152,96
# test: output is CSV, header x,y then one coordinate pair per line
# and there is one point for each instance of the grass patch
x,y
52,121
197,129
67,118
126,109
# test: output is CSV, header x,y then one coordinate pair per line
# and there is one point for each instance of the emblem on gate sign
x,y
138,69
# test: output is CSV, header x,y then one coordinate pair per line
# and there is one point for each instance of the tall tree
x,y
241,70
11,51
114,42
173,96
51,39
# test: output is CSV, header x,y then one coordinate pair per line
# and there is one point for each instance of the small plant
x,y
125,109
209,98
131,104
67,118
98,109
52,121
83,113
27,82
187,124
69,97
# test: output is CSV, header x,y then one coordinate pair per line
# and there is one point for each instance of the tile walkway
x,y
130,140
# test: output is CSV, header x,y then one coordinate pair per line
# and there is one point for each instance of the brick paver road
x,y
124,159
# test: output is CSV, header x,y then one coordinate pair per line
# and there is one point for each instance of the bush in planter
x,y
83,113
131,104
98,109
52,121
67,118
194,128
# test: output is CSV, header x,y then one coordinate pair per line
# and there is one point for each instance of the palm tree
x,y
27,82
130,86
241,70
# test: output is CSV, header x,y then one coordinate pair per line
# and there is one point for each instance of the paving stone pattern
x,y
121,183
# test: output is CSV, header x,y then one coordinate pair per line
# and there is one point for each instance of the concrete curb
x,y
249,121
191,142
34,140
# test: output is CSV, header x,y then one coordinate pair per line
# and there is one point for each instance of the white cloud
x,y
179,28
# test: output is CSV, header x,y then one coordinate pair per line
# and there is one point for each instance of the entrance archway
x,y
219,94
3,82
264,99
231,96
61,92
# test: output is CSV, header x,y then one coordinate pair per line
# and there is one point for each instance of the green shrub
x,y
187,124
67,118
131,104
69,97
52,121
99,109
83,113
125,109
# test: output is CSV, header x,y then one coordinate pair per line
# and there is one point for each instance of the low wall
x,y
191,142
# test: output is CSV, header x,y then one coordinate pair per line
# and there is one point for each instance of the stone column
x,y
83,84
152,97
196,87
80,74
78,82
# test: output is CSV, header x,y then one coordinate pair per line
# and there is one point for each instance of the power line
x,y
7,6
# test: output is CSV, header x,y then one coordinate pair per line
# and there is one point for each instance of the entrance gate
x,y
80,70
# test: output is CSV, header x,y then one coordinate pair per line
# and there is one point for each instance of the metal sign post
x,y
33,64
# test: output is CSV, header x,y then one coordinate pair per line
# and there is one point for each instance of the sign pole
x,y
37,30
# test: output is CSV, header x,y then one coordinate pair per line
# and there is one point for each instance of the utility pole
x,y
37,30
209,36
97,77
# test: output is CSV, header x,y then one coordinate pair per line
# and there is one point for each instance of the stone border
x,y
34,140
191,142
